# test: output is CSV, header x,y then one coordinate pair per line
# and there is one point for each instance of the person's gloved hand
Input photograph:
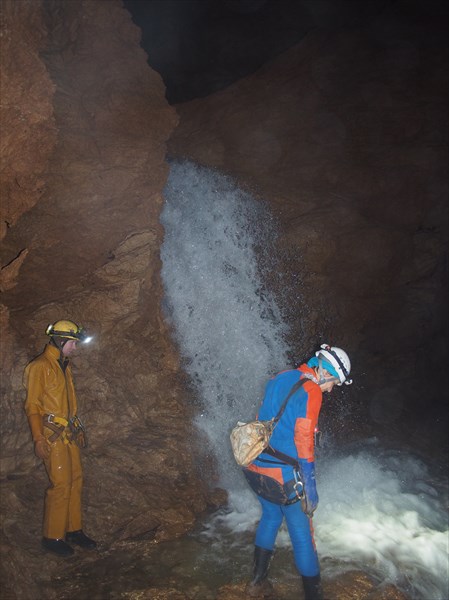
x,y
42,448
310,500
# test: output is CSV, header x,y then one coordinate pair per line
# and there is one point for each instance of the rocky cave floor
x,y
143,568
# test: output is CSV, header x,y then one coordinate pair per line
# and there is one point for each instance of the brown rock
x,y
84,130
28,133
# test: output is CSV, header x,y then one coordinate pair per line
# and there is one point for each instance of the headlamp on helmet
x,y
68,330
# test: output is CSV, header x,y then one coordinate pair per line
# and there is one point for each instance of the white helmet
x,y
338,359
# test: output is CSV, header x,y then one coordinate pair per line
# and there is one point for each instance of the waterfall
x,y
228,325
383,512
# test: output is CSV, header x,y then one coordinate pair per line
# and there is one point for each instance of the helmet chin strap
x,y
322,378
59,343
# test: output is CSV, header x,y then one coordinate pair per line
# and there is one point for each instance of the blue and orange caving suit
x,y
50,390
293,435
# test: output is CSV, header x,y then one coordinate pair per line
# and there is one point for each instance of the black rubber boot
x,y
57,546
260,587
312,588
80,539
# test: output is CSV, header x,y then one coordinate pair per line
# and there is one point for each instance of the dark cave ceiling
x,y
202,46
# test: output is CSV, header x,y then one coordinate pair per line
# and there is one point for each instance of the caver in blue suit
x,y
294,436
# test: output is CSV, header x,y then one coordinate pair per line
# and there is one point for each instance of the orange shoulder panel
x,y
315,397
305,426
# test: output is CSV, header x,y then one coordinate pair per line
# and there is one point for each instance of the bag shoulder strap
x,y
285,458
294,389
277,453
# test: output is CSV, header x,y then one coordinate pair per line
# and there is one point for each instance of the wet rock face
x,y
345,136
84,130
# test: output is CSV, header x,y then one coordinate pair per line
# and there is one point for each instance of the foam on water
x,y
380,511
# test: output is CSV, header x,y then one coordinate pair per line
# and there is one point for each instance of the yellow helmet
x,y
67,330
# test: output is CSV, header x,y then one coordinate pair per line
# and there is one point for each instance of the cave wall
x,y
345,136
84,130
28,127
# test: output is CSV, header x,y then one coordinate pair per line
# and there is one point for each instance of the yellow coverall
x,y
50,390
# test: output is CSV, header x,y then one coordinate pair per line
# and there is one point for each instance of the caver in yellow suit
x,y
51,408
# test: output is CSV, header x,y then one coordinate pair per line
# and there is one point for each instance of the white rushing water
x,y
381,511
228,326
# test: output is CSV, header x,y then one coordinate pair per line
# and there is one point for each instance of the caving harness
x,y
272,490
68,430
249,440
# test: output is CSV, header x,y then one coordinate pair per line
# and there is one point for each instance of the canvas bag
x,y
248,440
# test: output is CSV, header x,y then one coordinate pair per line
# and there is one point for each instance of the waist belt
x,y
58,426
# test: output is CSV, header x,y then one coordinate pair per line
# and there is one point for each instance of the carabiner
x,y
298,484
